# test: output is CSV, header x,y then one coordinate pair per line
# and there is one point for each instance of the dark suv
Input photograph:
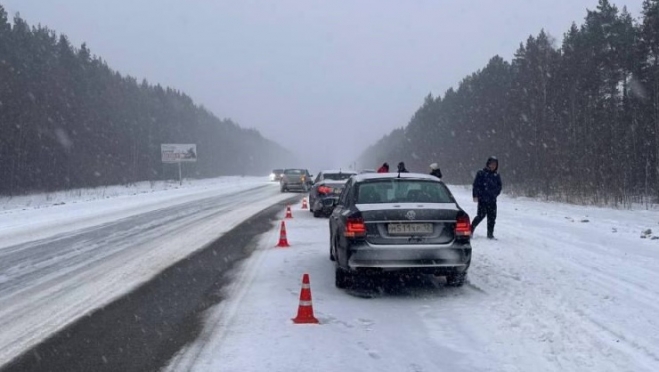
x,y
295,180
399,223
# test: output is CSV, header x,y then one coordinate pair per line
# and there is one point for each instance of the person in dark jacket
x,y
486,189
401,168
435,171
384,168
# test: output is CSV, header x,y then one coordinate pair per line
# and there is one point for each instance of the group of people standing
x,y
485,190
385,168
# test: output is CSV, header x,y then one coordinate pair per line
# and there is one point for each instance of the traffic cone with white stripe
x,y
289,214
304,204
305,309
283,240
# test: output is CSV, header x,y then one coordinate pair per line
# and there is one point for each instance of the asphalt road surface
x,y
141,330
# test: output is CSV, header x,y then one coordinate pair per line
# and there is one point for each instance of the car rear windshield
x,y
402,191
294,171
337,176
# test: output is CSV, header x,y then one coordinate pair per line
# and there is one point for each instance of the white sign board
x,y
177,153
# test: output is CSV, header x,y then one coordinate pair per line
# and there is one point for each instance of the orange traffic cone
x,y
305,309
283,241
289,214
304,204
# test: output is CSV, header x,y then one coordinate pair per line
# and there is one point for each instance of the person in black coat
x,y
486,189
435,171
401,168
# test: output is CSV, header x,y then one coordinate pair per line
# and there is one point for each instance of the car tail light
x,y
324,190
355,227
463,226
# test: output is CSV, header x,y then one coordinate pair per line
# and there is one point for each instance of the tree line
x,y
67,120
576,121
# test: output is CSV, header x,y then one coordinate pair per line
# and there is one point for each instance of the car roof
x,y
393,175
338,171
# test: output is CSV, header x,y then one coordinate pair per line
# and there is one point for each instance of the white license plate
x,y
409,228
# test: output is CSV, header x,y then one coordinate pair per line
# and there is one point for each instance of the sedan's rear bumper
x,y
296,186
395,257
324,203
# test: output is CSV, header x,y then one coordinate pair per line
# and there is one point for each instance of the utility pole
x,y
180,177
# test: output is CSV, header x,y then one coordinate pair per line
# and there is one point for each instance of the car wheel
x,y
456,279
342,278
331,249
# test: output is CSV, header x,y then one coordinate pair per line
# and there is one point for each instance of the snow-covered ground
x,y
63,255
565,288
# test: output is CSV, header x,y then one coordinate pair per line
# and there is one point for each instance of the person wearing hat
x,y
486,189
435,171
401,168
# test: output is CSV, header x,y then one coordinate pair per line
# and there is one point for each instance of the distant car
x,y
295,180
276,174
326,189
407,223
367,171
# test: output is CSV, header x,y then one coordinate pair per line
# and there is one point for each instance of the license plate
x,y
409,228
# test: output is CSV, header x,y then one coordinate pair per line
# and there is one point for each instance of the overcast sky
x,y
324,78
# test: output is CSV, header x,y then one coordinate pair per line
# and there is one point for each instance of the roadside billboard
x,y
178,153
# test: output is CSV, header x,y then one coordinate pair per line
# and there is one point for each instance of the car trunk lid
x,y
331,188
409,223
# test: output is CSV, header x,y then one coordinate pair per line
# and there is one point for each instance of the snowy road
x,y
565,288
60,263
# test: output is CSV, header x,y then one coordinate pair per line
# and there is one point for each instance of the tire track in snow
x,y
43,261
556,291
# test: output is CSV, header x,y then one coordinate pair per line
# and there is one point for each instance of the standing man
x,y
435,171
401,168
486,188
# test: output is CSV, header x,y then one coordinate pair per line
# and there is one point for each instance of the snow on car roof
x,y
338,171
392,175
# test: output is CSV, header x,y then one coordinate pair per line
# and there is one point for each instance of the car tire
x,y
331,249
456,279
342,278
